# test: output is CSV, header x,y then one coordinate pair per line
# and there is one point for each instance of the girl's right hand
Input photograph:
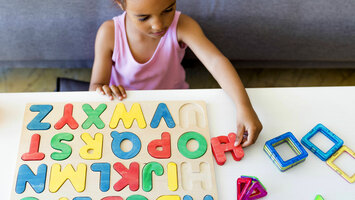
x,y
111,91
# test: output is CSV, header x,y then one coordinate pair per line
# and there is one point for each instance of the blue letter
x,y
25,175
162,112
105,171
116,144
36,123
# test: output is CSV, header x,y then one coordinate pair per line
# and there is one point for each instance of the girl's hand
x,y
117,91
248,126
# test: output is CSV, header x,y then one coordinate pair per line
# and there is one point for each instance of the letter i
x,y
172,176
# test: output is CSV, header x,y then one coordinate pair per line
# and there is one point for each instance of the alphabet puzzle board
x,y
115,151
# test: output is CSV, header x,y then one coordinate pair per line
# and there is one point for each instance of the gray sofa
x,y
52,33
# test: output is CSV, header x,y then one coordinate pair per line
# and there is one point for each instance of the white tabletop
x,y
281,110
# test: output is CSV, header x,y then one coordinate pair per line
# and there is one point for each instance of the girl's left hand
x,y
112,91
248,126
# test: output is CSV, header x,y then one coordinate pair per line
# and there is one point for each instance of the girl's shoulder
x,y
107,28
186,26
105,36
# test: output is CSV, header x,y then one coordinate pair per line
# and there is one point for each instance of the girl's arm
x,y
101,71
248,124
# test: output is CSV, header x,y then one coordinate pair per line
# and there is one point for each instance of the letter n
x,y
25,175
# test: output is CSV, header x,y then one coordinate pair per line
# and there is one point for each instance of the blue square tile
x,y
326,132
293,143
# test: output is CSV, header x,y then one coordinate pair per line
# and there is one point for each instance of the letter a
x,y
222,144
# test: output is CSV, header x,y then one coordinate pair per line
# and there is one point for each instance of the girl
x,y
143,49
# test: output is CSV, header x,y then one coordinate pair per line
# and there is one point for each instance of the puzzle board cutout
x,y
115,151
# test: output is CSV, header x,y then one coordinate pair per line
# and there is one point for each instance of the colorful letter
x,y
116,144
164,144
162,111
136,197
67,118
185,138
148,170
36,123
172,176
94,116
33,154
127,118
93,148
58,177
25,175
223,144
129,176
169,197
105,174
64,148
207,197
112,198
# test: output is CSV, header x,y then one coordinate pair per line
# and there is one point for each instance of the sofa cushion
x,y
62,33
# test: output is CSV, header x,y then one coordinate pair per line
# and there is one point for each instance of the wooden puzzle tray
x,y
115,150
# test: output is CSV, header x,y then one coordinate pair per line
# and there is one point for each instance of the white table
x,y
281,110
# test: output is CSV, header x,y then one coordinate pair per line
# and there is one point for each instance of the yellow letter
x,y
169,197
58,177
172,177
127,118
93,148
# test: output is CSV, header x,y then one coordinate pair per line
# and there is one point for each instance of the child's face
x,y
151,17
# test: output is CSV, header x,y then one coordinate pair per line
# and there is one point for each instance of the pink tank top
x,y
162,71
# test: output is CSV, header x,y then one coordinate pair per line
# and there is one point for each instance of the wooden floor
x,y
44,80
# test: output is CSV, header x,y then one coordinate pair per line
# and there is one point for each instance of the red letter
x,y
129,176
67,118
164,144
222,144
112,198
33,154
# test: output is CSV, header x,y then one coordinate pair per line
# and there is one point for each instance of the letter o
x,y
185,138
